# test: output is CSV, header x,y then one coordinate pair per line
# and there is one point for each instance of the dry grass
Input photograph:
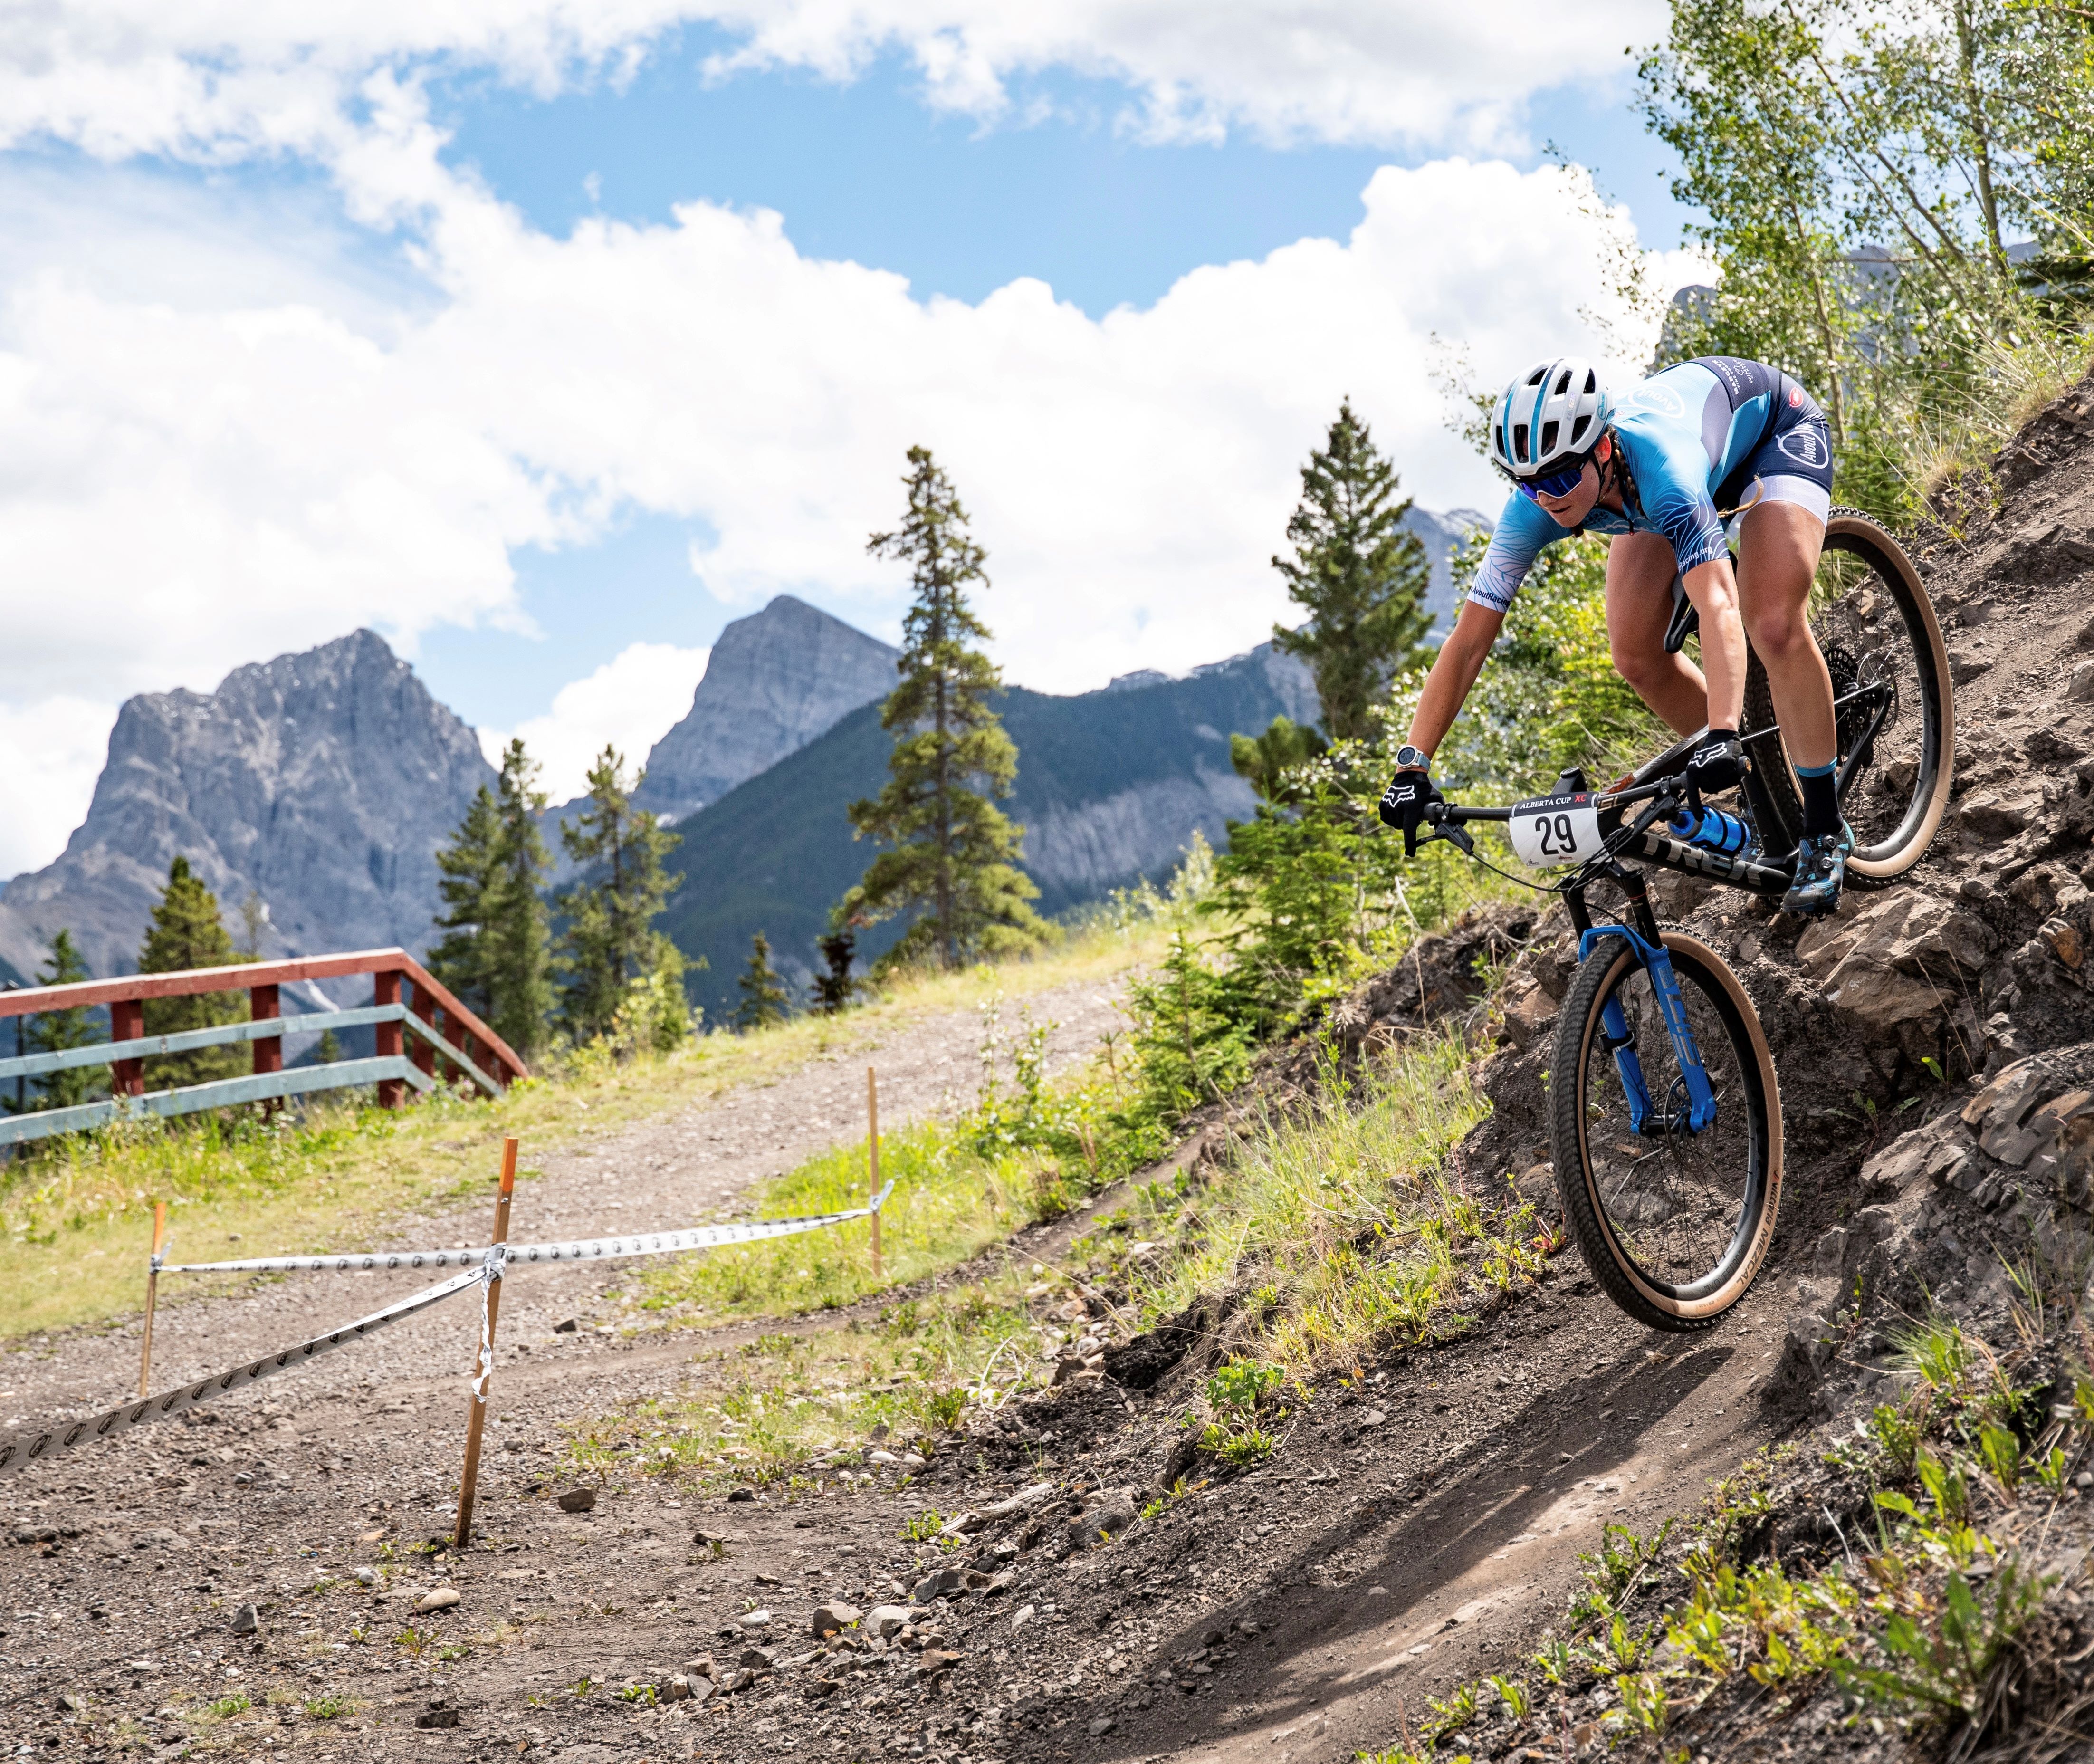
x,y
76,1219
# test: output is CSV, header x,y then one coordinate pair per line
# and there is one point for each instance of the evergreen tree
x,y
831,991
764,999
467,866
1265,760
54,1031
1360,578
611,940
329,1049
954,854
187,933
498,956
519,953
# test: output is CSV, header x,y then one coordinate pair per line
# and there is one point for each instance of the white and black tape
x,y
32,1448
385,1262
582,1250
698,1237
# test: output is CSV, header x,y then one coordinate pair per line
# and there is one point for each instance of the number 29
x,y
1558,840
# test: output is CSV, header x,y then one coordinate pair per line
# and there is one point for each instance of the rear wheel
x,y
1890,680
1672,1222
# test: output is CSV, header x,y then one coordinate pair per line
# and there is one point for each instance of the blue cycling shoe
x,y
1821,867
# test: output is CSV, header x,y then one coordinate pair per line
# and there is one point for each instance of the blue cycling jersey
x,y
1695,439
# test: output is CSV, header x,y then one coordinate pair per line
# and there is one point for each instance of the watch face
x,y
1408,759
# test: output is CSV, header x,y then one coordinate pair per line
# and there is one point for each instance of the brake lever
x,y
1453,832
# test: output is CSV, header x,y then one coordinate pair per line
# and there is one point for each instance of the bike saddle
x,y
1685,620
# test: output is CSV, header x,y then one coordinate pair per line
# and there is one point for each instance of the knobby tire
x,y
1743,1069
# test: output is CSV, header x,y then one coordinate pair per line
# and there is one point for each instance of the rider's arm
x,y
1454,669
1714,590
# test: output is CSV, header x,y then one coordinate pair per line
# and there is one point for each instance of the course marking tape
x,y
31,1448
583,1250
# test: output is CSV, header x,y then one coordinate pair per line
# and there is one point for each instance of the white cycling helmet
x,y
1550,418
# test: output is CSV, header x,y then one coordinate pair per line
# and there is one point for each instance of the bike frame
x,y
1659,792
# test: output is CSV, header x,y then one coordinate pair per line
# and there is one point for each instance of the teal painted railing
x,y
446,1035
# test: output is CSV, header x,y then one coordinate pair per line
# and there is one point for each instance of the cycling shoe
x,y
1821,867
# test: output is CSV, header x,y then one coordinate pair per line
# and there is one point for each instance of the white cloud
x,y
630,702
191,477
217,81
51,752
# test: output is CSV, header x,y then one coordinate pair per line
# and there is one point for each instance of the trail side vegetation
x,y
952,856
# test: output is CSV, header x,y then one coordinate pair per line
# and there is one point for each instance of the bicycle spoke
x,y
1673,1199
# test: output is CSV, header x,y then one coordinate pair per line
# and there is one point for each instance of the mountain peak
x,y
775,680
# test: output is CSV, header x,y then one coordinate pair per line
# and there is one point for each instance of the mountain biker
x,y
1662,470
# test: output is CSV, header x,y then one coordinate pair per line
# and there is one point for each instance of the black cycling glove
x,y
1403,803
1718,763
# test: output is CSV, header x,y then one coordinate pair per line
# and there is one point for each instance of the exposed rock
x,y
577,1500
246,1621
441,1600
324,782
775,681
834,1616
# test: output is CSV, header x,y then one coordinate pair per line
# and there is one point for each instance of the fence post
x,y
455,1033
152,1297
263,1006
872,1158
127,1023
421,1052
476,1402
385,990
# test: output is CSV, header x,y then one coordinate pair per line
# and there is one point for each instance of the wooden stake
x,y
152,1298
476,1405
872,1158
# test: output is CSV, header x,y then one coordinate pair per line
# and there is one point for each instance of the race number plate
x,y
1555,829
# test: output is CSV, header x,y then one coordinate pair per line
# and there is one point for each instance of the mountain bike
x,y
1664,1109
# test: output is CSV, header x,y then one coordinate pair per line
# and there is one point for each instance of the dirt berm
x,y
1419,1524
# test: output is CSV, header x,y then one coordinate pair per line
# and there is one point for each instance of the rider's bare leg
x,y
1778,543
1640,572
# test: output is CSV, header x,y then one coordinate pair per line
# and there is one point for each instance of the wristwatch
x,y
1409,758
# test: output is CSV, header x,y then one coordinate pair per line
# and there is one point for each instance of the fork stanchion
x,y
484,1368
872,1158
152,1298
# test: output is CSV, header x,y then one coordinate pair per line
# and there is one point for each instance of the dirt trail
x,y
663,1173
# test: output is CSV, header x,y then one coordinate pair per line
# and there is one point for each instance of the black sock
x,y
1821,801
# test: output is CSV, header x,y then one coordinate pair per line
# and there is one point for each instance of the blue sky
x,y
389,316
864,171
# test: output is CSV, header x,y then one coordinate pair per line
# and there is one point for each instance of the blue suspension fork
x,y
1655,960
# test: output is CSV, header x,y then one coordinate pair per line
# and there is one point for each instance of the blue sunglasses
x,y
1557,484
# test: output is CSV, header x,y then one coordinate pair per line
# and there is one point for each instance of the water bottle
x,y
1713,830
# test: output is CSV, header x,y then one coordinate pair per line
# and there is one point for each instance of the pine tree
x,y
764,999
467,866
955,854
610,940
329,1049
1265,760
54,1031
498,956
1360,578
831,991
187,933
520,944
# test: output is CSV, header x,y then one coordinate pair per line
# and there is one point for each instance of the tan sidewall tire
x,y
1658,1309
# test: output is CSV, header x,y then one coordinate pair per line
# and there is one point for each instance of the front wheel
x,y
1672,1213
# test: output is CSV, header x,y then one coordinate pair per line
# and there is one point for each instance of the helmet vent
x,y
1537,377
1501,445
1548,437
1519,447
1563,384
1577,429
1592,382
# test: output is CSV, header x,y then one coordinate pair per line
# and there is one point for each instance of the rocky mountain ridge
x,y
323,782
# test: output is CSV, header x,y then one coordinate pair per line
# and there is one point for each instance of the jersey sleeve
x,y
1516,542
1673,484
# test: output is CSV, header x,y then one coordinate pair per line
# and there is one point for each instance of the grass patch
x,y
1339,1219
767,1411
76,1217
